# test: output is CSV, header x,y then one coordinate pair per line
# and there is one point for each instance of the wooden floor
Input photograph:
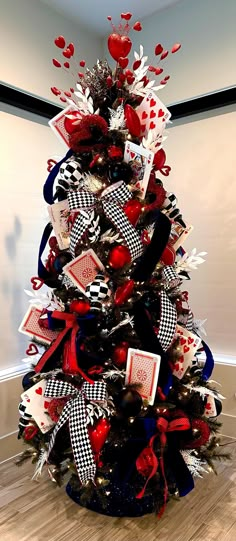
x,y
39,511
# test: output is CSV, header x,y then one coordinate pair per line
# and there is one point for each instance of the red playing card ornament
x,y
119,256
119,46
98,435
132,120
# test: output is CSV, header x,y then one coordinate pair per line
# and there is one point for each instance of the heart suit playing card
x,y
153,114
140,160
37,405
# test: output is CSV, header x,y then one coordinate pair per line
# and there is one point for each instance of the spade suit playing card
x,y
143,367
30,326
83,269
153,114
59,214
189,343
140,160
58,123
37,405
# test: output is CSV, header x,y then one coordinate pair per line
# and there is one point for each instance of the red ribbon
x,y
70,325
163,425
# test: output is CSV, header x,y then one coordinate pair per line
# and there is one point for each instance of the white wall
x,y
28,29
206,30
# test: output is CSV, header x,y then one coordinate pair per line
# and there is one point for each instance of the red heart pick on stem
x,y
136,64
126,16
123,62
98,434
66,65
158,49
118,46
39,391
164,55
56,63
158,71
71,47
60,42
36,282
55,91
67,53
32,350
82,63
176,47
137,26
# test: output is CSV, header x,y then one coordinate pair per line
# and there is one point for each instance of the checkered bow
x,y
168,321
75,412
112,199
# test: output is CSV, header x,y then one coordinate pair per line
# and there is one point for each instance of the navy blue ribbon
x,y
48,186
209,364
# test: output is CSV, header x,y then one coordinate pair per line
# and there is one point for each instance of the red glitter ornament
x,y
119,355
132,120
80,307
98,435
119,256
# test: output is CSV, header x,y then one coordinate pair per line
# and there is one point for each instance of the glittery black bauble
x,y
27,380
128,402
120,171
218,404
61,260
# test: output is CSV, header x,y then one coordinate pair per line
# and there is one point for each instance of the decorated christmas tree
x,y
118,405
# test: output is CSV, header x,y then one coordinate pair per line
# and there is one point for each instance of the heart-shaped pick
x,y
126,16
32,350
118,46
176,47
50,164
123,62
55,91
56,63
67,53
137,26
71,47
158,49
82,63
36,282
60,42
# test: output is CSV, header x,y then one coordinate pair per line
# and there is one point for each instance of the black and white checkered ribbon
x,y
168,321
112,199
75,412
171,277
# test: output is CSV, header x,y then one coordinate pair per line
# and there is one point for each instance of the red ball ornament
x,y
98,435
118,46
120,353
133,209
80,307
123,292
119,256
159,159
132,120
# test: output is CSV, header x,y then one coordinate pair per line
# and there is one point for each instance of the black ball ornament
x,y
27,380
120,171
128,402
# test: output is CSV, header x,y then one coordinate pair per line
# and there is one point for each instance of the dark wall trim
x,y
38,106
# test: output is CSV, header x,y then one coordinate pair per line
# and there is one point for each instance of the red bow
x,y
163,425
70,350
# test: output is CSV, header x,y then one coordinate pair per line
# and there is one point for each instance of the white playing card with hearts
x,y
153,114
188,344
37,405
210,407
143,368
59,123
140,160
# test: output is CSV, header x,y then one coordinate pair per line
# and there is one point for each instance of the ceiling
x,y
93,13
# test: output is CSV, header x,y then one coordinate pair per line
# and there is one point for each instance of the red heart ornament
x,y
176,47
36,282
158,49
32,350
60,42
133,209
56,63
126,16
158,71
118,46
66,65
50,164
164,55
123,62
55,91
67,53
72,48
98,434
39,391
152,103
82,63
137,26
